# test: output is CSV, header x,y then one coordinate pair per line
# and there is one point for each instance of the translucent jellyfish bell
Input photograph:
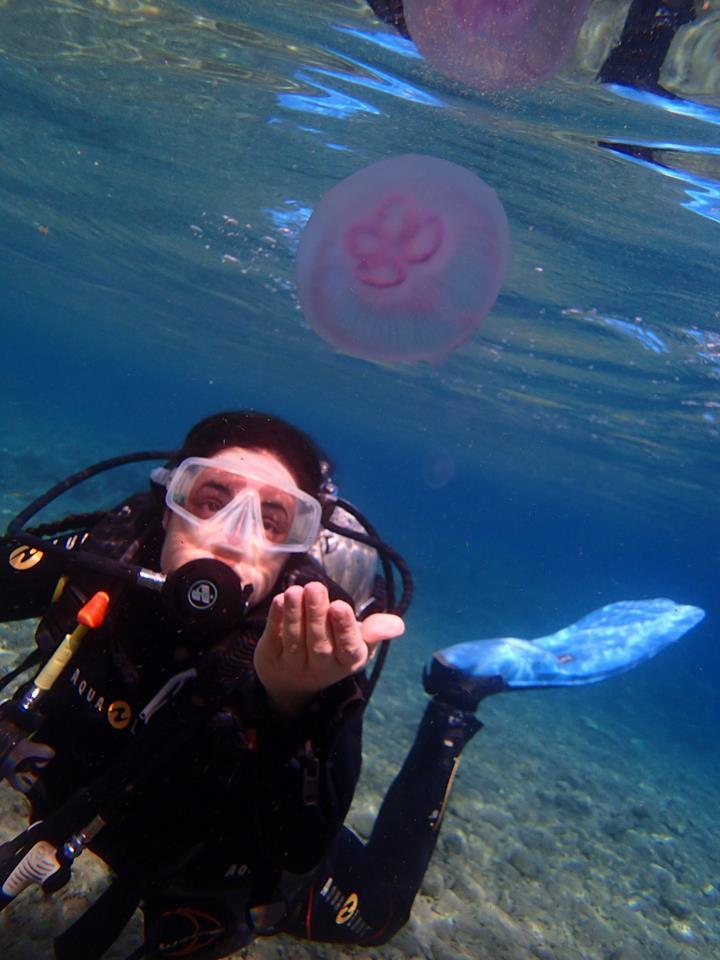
x,y
403,259
495,44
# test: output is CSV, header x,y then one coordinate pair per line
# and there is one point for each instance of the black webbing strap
x,y
102,923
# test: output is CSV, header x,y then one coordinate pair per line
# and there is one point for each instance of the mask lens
x,y
278,512
244,506
211,491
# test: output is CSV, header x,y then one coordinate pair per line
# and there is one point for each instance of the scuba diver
x,y
196,721
200,679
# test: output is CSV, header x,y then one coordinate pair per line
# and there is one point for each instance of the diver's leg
x,y
364,893
407,826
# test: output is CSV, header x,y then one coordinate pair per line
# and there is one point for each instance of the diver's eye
x,y
207,500
207,508
276,522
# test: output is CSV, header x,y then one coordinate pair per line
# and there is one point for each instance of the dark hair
x,y
253,430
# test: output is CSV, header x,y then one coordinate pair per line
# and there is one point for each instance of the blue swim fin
x,y
602,644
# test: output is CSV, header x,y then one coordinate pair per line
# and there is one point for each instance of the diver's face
x,y
245,554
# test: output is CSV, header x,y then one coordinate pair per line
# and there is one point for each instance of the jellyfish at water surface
x,y
495,44
402,260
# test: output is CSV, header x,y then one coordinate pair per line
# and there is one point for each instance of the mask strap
x,y
162,476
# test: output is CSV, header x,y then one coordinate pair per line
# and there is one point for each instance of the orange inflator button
x,y
94,611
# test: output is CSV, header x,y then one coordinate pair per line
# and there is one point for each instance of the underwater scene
x,y
471,247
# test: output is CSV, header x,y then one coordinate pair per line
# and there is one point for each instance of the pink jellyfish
x,y
403,259
495,44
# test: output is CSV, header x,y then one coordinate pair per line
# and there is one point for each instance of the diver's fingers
x,y
315,604
43,751
350,648
293,645
34,751
273,633
381,626
23,780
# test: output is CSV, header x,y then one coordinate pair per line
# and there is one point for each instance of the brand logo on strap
x,y
25,558
348,910
345,907
119,714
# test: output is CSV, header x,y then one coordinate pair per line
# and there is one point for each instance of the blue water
x,y
158,161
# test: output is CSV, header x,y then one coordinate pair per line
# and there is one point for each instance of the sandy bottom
x,y
566,837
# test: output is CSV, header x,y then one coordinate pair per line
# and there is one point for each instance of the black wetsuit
x,y
234,827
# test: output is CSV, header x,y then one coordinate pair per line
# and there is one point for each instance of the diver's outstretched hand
x,y
310,643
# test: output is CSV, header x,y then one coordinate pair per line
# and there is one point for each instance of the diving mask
x,y
238,508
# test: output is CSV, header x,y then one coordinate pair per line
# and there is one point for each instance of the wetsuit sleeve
x,y
308,771
28,577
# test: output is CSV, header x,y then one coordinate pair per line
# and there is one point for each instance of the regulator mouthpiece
x,y
206,597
